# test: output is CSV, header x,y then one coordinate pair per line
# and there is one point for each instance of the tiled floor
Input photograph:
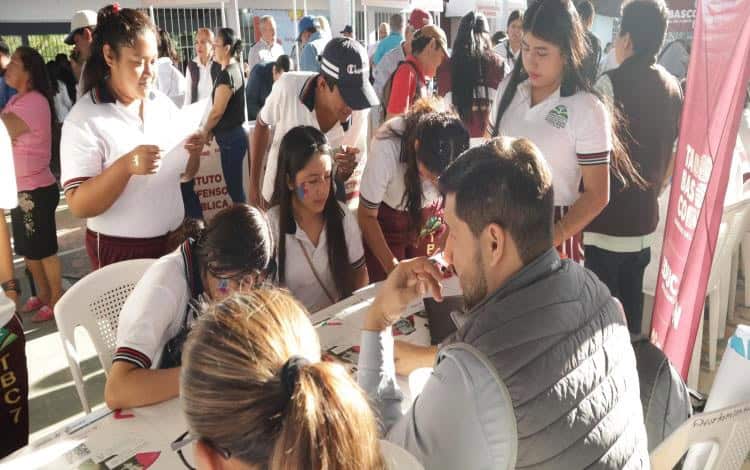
x,y
53,398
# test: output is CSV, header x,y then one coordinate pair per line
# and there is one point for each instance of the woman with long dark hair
x,y
112,143
29,117
400,208
228,112
320,254
474,71
548,100
234,253
509,47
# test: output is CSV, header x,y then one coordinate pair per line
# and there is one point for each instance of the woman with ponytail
x,y
228,113
548,100
113,142
233,253
257,396
400,208
470,78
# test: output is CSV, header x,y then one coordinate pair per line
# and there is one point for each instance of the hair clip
x,y
116,7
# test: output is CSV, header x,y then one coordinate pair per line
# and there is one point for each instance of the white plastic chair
x,y
728,428
94,303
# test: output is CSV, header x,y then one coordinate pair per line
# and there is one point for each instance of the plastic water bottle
x,y
740,341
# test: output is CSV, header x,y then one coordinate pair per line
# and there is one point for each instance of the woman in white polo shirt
x,y
320,254
400,209
112,143
233,253
547,100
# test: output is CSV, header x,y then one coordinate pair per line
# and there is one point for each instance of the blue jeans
x,y
233,148
192,203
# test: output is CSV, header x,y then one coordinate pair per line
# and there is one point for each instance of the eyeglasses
x,y
186,439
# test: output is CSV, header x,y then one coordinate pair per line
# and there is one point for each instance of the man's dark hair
x,y
282,63
505,182
585,11
646,22
4,48
497,37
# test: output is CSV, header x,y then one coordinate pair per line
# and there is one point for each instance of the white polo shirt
x,y
205,82
96,133
264,52
153,313
383,177
300,279
570,131
289,105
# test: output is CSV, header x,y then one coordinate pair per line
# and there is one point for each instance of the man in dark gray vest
x,y
540,373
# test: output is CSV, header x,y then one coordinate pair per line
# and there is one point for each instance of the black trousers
x,y
623,274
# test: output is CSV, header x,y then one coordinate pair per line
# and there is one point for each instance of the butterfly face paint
x,y
301,191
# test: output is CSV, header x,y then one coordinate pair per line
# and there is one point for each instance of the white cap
x,y
82,19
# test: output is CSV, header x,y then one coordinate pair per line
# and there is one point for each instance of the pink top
x,y
31,150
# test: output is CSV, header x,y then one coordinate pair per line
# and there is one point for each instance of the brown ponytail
x,y
235,398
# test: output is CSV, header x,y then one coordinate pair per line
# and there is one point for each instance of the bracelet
x,y
11,285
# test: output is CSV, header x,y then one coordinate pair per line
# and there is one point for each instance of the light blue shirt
x,y
463,418
308,58
388,43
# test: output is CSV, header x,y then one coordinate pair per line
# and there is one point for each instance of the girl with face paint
x,y
234,253
320,254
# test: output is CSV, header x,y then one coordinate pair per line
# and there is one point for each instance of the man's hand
x,y
410,280
410,357
346,161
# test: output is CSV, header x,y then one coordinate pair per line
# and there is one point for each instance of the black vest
x,y
195,75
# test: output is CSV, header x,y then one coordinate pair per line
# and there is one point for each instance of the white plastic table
x,y
142,437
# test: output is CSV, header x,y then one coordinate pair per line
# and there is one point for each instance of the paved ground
x,y
53,397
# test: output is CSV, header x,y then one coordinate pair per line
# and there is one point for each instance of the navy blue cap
x,y
345,60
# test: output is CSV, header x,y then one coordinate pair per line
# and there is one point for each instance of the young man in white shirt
x,y
81,36
266,49
202,70
336,101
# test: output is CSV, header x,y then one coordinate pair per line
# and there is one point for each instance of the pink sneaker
x,y
33,303
44,314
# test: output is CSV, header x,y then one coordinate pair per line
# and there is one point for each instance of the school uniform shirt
x,y
170,80
291,104
154,312
571,131
383,177
300,279
97,132
264,52
506,52
407,85
205,82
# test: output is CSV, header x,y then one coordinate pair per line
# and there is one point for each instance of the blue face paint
x,y
223,286
300,190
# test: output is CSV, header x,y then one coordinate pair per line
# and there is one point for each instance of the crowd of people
x,y
534,174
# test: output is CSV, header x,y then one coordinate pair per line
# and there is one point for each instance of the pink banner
x,y
717,77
